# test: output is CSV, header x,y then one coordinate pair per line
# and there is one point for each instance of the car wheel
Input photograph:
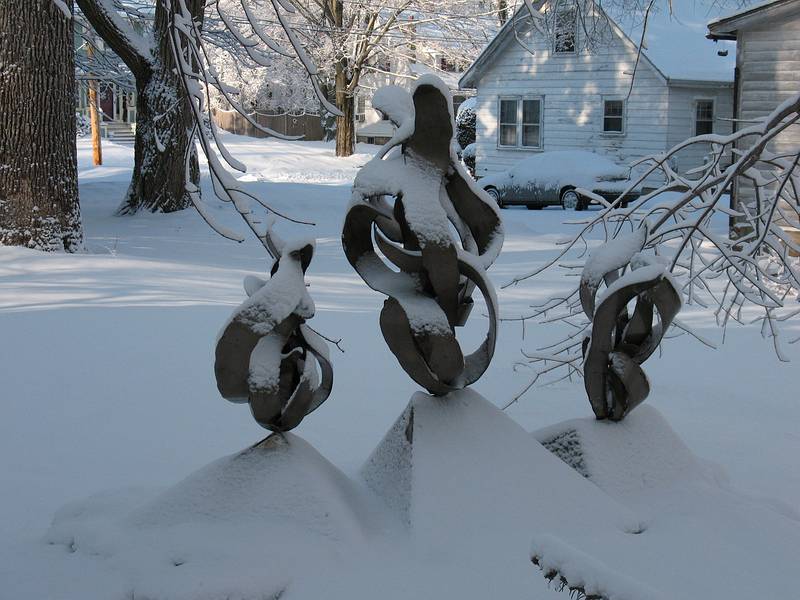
x,y
570,200
495,195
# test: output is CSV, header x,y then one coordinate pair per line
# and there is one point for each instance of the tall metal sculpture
x,y
266,355
420,231
621,341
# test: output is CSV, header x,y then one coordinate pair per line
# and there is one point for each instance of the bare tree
x,y
350,39
38,172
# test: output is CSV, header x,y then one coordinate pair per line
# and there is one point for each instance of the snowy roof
x,y
675,43
726,26
450,79
377,129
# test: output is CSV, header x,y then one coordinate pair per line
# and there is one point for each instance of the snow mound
x,y
460,471
699,539
246,525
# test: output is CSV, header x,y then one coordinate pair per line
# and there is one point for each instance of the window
x,y
508,122
531,125
361,109
520,123
704,117
447,65
613,116
564,31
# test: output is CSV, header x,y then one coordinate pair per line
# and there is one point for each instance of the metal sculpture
x,y
621,341
266,355
408,202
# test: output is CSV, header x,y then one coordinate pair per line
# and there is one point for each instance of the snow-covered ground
x,y
106,359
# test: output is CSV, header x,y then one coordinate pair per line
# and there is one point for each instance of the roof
x,y
675,44
377,129
725,28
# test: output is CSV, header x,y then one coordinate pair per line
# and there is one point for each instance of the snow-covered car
x,y
552,178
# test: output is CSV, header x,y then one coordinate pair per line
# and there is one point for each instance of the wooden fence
x,y
308,126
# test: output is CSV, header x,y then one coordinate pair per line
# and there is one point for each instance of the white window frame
x,y
360,116
556,15
519,124
624,116
695,104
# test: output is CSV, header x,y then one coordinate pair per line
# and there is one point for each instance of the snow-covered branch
x,y
750,265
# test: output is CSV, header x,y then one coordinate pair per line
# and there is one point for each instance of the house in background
x,y
424,50
547,86
371,126
767,72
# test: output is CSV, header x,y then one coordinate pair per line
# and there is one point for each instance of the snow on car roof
x,y
564,162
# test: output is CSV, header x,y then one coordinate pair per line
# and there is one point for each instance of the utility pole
x,y
94,114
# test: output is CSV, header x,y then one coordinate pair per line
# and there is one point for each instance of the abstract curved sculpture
x,y
620,342
266,355
419,231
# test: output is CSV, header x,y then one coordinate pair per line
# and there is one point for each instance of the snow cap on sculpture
x,y
266,355
406,202
619,341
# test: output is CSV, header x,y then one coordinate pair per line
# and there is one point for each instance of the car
x,y
552,178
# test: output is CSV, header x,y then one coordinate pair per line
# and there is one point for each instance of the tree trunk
x,y
163,121
38,159
502,11
345,124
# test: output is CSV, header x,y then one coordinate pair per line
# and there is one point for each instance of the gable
x,y
674,46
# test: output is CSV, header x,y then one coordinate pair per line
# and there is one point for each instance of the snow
x,y
676,42
107,369
559,167
724,544
606,260
394,102
468,104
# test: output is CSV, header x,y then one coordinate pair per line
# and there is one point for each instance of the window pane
x,y
704,127
530,135
565,31
530,112
508,111
705,110
613,116
612,124
613,108
508,135
704,117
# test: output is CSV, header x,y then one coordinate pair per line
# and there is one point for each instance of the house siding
x,y
768,58
573,87
682,101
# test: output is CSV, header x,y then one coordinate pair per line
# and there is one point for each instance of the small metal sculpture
x,y
406,207
620,342
266,355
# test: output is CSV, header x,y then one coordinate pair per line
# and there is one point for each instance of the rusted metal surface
x,y
267,356
621,341
420,231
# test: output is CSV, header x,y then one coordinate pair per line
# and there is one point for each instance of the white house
x,y
555,87
767,68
